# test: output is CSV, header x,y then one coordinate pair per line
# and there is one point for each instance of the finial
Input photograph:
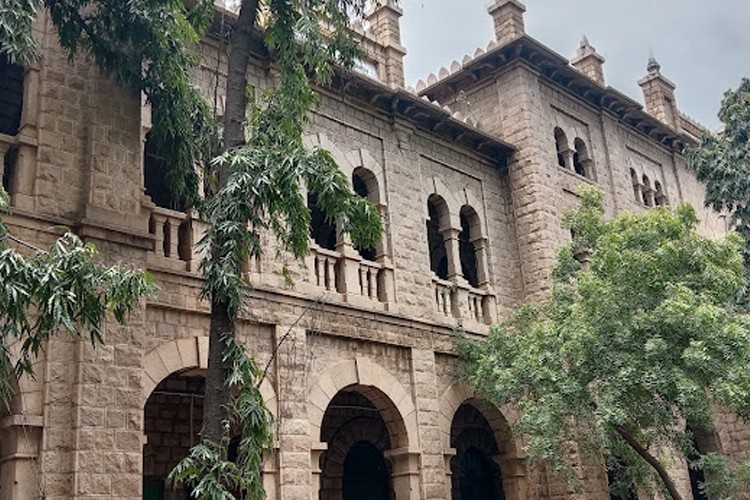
x,y
585,42
653,64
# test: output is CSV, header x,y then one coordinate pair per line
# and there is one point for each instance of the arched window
x,y
365,185
322,230
11,107
155,181
466,245
647,194
581,158
660,198
636,185
437,212
562,148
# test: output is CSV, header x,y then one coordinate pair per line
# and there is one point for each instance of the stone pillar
x,y
296,463
658,94
405,473
507,16
384,25
589,62
19,452
316,450
568,158
452,253
424,381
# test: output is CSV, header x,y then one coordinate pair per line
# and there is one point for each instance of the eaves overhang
x,y
556,69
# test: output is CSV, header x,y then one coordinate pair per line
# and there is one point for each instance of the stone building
x,y
471,171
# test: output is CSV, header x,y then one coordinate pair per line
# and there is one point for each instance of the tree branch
x,y
652,461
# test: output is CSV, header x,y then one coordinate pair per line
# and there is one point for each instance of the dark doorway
x,y
477,481
365,473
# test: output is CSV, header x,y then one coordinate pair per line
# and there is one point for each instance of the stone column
x,y
452,253
295,457
424,380
405,473
507,16
316,450
19,454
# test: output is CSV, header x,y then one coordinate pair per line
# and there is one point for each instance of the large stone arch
x,y
511,458
435,185
179,355
363,372
389,398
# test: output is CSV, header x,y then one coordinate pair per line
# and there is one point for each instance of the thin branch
x,y
23,243
652,461
283,338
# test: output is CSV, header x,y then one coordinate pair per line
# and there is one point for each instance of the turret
x,y
385,28
589,62
507,16
658,93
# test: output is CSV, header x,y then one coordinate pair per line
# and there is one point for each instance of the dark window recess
x,y
11,96
477,481
155,179
577,165
438,255
322,231
9,168
360,188
696,474
468,252
561,144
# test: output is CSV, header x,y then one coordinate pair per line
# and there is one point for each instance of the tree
x,y
146,45
59,288
722,162
640,336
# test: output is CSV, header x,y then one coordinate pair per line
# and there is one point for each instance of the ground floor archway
x,y
173,417
475,468
356,430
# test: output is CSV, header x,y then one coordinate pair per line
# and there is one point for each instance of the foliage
x,y
208,468
146,46
61,288
640,339
722,162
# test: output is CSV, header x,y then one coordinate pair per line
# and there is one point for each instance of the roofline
x,y
557,69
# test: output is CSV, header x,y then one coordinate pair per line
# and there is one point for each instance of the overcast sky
x,y
702,46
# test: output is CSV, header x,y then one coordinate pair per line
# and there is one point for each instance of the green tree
x,y
640,336
62,288
146,45
722,162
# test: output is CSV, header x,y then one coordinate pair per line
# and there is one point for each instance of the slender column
x,y
450,237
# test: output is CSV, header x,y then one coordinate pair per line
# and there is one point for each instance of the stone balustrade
x,y
174,238
462,301
325,268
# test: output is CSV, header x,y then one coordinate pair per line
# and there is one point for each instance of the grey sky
x,y
703,47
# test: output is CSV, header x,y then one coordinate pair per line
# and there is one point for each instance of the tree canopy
x,y
722,161
640,337
257,172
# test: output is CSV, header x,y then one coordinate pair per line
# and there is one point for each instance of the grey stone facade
x,y
497,143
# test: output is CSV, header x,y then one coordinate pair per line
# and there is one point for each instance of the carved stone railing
x,y
325,267
175,233
458,299
356,281
444,296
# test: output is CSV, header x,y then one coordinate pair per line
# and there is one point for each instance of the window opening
x,y
581,158
360,188
322,231
435,240
11,96
466,248
155,179
561,146
636,185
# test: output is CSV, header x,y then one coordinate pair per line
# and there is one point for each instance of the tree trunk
x,y
222,322
652,461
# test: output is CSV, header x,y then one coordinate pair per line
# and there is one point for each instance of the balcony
x,y
457,300
348,277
